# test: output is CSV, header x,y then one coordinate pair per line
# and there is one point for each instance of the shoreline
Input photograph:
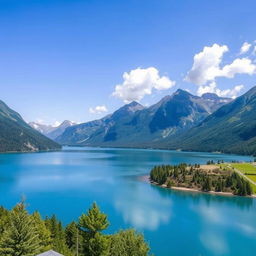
x,y
146,178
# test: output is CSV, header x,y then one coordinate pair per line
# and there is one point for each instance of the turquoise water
x,y
173,222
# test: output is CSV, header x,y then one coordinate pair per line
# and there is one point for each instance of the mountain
x,y
230,129
17,135
136,126
50,131
57,131
42,128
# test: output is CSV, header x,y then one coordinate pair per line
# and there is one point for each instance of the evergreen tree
x,y
58,236
248,188
128,243
99,245
4,214
44,233
91,226
206,184
73,237
20,237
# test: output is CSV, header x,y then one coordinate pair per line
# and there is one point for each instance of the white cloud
x,y
140,82
238,66
245,48
98,109
206,66
212,88
254,50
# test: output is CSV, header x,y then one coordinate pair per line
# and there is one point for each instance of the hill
x,y
17,135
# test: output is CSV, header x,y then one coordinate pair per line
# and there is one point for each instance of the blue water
x,y
173,222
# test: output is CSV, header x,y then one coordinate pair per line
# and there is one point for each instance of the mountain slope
x,y
42,128
231,129
136,126
57,131
50,131
17,135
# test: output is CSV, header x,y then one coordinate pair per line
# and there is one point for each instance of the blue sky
x,y
59,59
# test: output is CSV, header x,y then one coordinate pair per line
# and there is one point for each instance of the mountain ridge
x,y
230,129
17,136
136,125
51,131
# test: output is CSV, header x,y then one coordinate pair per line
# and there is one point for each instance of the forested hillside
x,y
231,129
17,135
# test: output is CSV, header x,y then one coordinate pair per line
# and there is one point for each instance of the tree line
x,y
24,234
192,176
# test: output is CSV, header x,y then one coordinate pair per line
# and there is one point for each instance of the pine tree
x,y
126,243
206,184
58,236
99,245
44,233
94,221
248,188
4,214
20,237
91,226
73,237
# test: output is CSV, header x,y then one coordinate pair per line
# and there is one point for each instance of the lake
x,y
175,223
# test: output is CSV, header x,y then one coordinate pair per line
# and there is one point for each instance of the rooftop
x,y
50,253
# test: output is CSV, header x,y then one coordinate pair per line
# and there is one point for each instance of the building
x,y
50,253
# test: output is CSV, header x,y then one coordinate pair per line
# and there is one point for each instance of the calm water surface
x,y
174,223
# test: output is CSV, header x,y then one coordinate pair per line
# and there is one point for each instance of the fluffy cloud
x,y
238,66
212,88
98,110
206,64
207,67
245,48
140,82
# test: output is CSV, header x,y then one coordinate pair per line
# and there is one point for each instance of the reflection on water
x,y
214,242
143,210
175,223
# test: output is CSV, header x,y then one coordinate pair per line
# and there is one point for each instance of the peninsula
x,y
217,178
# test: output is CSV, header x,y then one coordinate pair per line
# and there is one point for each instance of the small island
x,y
217,178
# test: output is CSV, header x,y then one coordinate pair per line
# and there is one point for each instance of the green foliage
x,y
98,245
240,186
73,238
17,135
230,129
219,179
4,217
44,234
91,226
159,174
23,234
94,221
57,236
128,243
20,236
